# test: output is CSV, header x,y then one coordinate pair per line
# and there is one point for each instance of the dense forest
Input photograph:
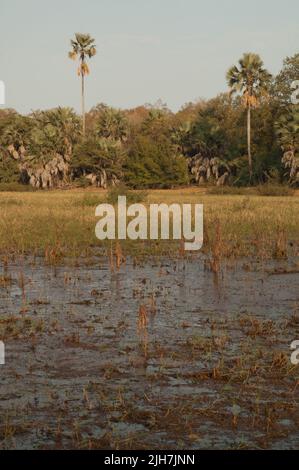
x,y
247,136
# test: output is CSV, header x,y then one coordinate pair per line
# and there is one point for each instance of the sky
x,y
174,50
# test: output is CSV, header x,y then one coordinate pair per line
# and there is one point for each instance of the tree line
x,y
246,136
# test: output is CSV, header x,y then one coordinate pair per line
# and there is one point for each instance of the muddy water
x,y
159,355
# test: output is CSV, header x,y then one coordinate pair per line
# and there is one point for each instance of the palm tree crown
x,y
83,47
250,79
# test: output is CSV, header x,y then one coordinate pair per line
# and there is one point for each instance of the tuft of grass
x,y
229,190
88,200
11,202
269,189
133,197
16,187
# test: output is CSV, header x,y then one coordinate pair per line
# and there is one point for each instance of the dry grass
x,y
61,223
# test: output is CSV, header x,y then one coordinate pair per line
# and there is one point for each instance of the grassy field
x,y
61,223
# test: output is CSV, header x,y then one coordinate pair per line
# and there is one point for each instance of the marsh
x,y
209,367
140,344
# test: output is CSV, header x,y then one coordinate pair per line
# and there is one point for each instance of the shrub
x,y
94,155
155,164
81,182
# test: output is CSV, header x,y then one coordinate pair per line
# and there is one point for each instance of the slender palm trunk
x,y
249,141
83,102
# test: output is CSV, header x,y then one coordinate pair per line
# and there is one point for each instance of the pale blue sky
x,y
176,50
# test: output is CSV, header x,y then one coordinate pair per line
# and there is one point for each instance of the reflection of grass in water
x,y
64,221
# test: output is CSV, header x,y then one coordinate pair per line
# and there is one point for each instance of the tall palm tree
x,y
252,80
83,47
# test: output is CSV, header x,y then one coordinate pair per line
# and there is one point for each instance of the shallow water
x,y
210,368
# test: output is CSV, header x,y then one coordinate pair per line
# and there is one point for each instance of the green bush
x,y
155,164
82,182
94,155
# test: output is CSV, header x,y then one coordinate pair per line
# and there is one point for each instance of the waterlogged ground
x,y
164,354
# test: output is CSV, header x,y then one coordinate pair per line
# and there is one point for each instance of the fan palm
x,y
112,124
252,80
83,48
287,129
